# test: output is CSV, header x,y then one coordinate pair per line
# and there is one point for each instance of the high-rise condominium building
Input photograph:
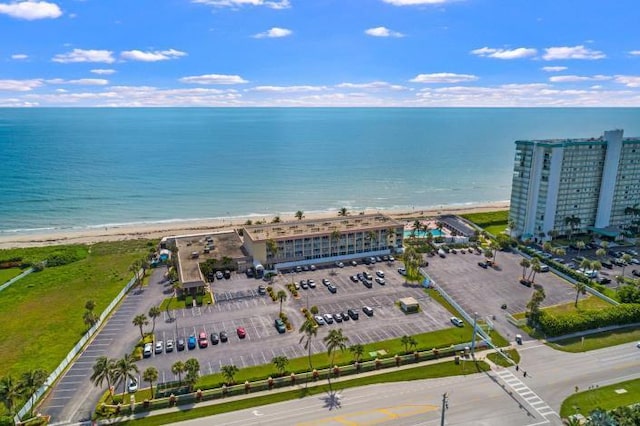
x,y
566,186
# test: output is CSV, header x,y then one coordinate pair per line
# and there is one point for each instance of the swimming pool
x,y
422,234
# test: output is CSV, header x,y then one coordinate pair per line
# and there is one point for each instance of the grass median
x,y
606,397
598,340
7,274
444,369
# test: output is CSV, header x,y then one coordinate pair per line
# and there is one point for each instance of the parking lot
x,y
238,304
485,290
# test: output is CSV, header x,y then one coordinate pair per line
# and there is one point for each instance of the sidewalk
x,y
481,357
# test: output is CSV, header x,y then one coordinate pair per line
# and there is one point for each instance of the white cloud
x,y
274,32
577,78
213,79
287,89
82,55
635,52
553,69
272,4
151,56
80,82
382,32
374,85
628,80
101,71
20,85
575,52
19,56
416,2
518,53
443,77
31,10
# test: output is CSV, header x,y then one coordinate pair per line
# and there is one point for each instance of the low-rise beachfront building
x,y
573,186
306,242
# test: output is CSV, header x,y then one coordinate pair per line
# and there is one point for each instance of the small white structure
x,y
409,305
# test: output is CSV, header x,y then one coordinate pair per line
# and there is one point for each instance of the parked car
x,y
345,316
519,339
215,339
544,268
280,326
367,283
191,342
169,346
618,262
180,344
224,336
483,265
354,263
368,310
242,333
148,350
380,281
354,278
457,322
606,264
202,340
402,271
367,275
311,283
380,274
227,274
525,282
219,275
304,285
337,317
332,288
635,273
262,289
312,267
340,264
319,320
328,318
604,280
353,314
392,259
325,281
133,386
159,347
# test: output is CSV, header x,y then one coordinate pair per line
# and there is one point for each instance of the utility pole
x,y
445,407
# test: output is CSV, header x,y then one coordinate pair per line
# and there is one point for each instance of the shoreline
x,y
158,230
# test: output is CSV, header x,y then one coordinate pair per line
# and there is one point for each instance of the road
x,y
500,397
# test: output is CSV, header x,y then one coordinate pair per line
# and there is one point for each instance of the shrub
x,y
571,322
188,301
199,299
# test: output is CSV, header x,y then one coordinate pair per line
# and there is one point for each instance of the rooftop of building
x,y
574,141
195,249
301,228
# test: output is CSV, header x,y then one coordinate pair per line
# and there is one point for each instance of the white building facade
x,y
595,182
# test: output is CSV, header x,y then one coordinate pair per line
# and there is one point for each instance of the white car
x,y
340,264
148,350
133,386
380,274
457,322
159,346
402,271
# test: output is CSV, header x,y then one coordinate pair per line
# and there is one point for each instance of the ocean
x,y
68,168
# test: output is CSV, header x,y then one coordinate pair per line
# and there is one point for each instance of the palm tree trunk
x,y
151,383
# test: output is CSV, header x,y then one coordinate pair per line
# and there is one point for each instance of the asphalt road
x,y
496,398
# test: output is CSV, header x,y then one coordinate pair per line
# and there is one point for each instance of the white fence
x,y
14,279
72,354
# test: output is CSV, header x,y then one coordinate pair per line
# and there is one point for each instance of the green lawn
x,y
7,274
499,359
41,315
604,397
598,341
493,222
423,372
584,304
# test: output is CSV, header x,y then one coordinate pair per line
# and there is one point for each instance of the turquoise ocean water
x,y
73,168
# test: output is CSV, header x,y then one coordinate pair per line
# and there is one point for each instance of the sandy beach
x,y
159,230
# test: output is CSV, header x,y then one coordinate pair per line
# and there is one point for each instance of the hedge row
x,y
560,324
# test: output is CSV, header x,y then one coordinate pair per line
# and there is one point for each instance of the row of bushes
x,y
292,288
560,324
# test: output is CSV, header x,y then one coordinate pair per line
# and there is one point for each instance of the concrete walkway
x,y
336,381
14,279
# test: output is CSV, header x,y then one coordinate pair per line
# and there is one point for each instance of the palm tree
x,y
560,252
335,238
124,370
89,318
626,258
154,312
150,374
272,249
580,245
407,342
178,368
342,211
229,371
357,350
573,222
280,362
10,392
135,269
417,226
90,305
525,265
309,329
281,296
601,253
372,236
536,267
192,367
334,340
31,381
547,246
580,288
140,321
299,214
495,247
104,371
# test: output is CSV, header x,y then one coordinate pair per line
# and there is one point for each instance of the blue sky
x,y
319,53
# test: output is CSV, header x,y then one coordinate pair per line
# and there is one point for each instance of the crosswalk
x,y
526,393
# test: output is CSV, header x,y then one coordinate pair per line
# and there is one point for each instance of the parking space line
x,y
244,364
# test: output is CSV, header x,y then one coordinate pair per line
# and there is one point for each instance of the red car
x,y
242,333
203,342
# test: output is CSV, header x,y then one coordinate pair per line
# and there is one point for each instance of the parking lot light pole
x,y
445,407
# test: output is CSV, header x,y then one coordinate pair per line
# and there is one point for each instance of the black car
x,y
604,280
353,314
368,310
367,283
354,278
635,273
483,265
223,336
345,316
227,274
332,288
607,264
180,344
214,338
526,283
337,317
